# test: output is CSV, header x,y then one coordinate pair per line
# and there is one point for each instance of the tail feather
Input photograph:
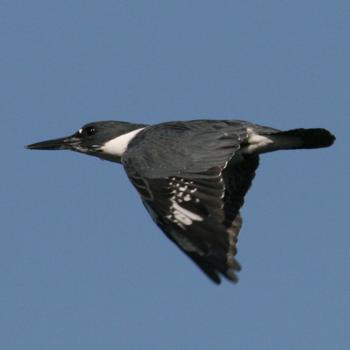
x,y
309,138
304,138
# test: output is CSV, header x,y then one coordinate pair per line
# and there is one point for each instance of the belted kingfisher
x,y
192,176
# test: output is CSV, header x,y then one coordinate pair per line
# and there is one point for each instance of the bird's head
x,y
106,139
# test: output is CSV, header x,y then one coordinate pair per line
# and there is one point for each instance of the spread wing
x,y
194,193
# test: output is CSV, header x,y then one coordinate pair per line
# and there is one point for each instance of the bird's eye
x,y
90,131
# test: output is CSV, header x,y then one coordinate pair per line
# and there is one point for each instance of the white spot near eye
x,y
80,131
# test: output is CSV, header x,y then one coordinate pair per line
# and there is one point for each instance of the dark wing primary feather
x,y
193,188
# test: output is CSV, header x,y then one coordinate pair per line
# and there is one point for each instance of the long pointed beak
x,y
56,144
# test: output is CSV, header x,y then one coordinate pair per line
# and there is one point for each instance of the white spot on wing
x,y
187,198
180,212
182,191
182,216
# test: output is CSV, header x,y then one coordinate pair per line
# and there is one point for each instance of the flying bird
x,y
192,176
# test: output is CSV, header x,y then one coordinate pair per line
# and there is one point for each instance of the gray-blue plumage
x,y
192,176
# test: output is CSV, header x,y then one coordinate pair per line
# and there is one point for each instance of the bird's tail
x,y
303,138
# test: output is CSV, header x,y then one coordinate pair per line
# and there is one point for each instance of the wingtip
x,y
214,277
231,276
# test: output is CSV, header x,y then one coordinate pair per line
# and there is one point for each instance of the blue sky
x,y
82,266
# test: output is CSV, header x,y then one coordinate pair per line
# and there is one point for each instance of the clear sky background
x,y
82,266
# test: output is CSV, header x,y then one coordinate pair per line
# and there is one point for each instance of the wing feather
x,y
193,188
